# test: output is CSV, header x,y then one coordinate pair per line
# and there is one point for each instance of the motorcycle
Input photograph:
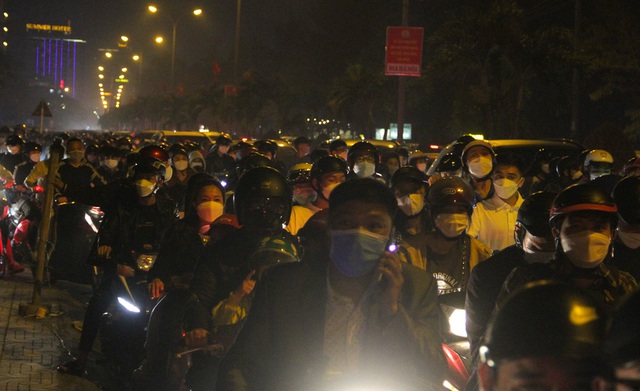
x,y
455,345
123,326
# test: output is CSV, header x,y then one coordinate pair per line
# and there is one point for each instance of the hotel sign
x,y
49,27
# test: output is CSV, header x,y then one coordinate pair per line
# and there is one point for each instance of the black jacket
x,y
626,259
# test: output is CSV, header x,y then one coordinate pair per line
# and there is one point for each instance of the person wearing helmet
x,y
449,165
583,222
218,161
304,196
110,168
477,161
353,312
303,149
269,148
327,173
534,243
632,168
419,160
33,152
160,153
412,221
390,164
362,160
622,347
547,336
14,155
597,163
448,252
91,155
197,162
74,173
177,186
338,148
493,220
130,228
626,246
569,171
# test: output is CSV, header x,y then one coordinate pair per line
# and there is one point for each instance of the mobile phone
x,y
392,248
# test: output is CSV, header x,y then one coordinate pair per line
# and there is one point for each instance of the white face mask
x,y
76,156
505,188
181,165
364,169
452,225
586,249
145,188
326,192
480,167
411,204
209,211
630,239
111,163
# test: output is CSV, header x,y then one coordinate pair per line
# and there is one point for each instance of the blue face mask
x,y
356,252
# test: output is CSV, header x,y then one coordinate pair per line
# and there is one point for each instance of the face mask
x,y
326,192
630,239
452,225
364,169
586,249
576,175
480,167
545,168
411,204
505,188
531,256
209,211
168,173
597,173
111,163
145,188
76,156
356,252
392,168
304,199
181,165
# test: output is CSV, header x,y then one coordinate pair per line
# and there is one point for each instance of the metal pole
x,y
575,82
402,88
236,51
173,57
32,308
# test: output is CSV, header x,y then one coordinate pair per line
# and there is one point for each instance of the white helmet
x,y
598,156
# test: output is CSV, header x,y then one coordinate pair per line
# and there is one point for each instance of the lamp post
x,y
174,24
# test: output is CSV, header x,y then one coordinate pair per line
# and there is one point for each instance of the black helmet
x,y
223,139
622,345
565,163
327,164
154,151
581,197
250,161
362,148
546,319
32,147
449,162
626,195
300,173
408,173
266,146
109,151
124,143
149,165
263,198
92,148
178,149
14,140
450,191
533,216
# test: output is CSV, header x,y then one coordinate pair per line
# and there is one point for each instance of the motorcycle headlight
x,y
129,306
458,323
145,261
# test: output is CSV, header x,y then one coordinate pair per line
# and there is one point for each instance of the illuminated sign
x,y
122,80
49,27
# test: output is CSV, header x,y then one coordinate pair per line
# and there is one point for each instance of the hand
x,y
125,271
156,288
196,337
247,285
390,273
104,252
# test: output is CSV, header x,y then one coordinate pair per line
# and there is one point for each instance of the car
x,y
524,148
383,146
176,136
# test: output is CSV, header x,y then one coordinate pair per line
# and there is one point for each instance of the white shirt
x,y
493,222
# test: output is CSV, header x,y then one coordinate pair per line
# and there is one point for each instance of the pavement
x,y
31,348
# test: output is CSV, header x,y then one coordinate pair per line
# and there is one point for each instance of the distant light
x,y
124,38
101,68
5,29
197,11
159,39
434,146
121,76
6,15
124,69
152,8
66,89
135,57
101,76
108,54
5,43
100,85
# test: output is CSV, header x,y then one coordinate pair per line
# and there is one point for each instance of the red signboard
x,y
404,51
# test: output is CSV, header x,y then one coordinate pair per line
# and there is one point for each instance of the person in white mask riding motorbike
x,y
583,222
493,221
327,173
478,163
363,160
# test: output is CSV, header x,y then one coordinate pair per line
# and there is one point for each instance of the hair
x,y
73,140
511,160
390,155
366,190
301,140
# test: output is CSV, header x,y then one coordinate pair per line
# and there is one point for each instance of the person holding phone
x,y
355,318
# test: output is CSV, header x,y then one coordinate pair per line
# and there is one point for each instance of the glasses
x,y
361,159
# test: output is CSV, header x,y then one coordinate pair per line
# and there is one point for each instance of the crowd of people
x,y
331,271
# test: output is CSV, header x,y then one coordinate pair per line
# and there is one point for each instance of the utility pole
x,y
402,87
575,82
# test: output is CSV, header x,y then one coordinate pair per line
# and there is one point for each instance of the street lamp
x,y
174,22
